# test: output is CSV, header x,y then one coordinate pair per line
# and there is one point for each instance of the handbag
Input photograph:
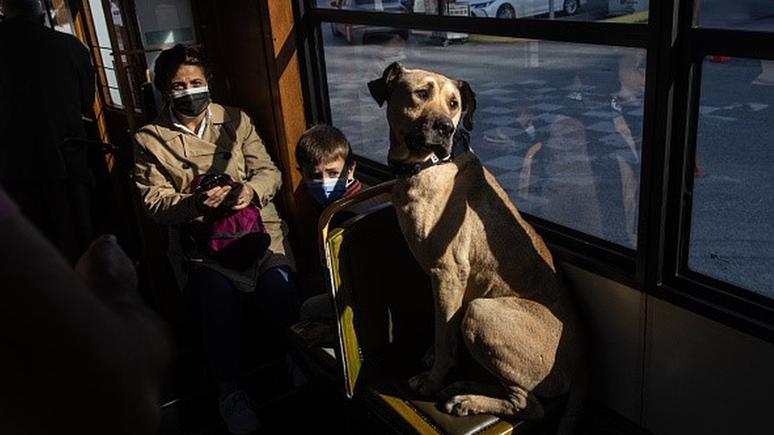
x,y
234,238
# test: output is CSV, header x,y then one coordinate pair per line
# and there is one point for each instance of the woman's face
x,y
189,96
188,77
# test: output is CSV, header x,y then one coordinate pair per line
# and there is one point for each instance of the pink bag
x,y
236,239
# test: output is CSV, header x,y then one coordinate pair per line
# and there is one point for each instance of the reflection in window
x,y
732,230
559,125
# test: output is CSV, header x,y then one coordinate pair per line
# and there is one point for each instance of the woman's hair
x,y
170,60
323,144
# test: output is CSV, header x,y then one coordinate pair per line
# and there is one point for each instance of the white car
x,y
521,8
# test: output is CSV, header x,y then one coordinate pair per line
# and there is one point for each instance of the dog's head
x,y
423,109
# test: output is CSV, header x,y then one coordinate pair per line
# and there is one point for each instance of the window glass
x,y
732,229
558,124
393,6
633,11
59,17
164,24
738,14
107,63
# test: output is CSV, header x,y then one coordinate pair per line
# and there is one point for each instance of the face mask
x,y
328,190
191,102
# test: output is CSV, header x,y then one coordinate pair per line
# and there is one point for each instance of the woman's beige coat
x,y
167,159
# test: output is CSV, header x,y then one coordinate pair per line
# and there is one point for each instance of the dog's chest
x,y
421,201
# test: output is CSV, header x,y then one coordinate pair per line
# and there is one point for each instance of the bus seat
x,y
384,311
320,358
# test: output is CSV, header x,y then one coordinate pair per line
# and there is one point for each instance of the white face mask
x,y
191,102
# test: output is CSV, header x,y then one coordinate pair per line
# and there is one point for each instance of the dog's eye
x,y
454,104
422,94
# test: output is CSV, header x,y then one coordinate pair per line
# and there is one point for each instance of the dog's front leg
x,y
448,291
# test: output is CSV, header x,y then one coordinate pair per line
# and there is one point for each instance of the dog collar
x,y
400,168
460,146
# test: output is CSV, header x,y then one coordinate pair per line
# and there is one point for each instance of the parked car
x,y
522,8
354,33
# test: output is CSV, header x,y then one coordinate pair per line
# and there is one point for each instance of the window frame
x,y
729,304
675,50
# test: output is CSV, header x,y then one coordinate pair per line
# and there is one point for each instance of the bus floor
x,y
190,403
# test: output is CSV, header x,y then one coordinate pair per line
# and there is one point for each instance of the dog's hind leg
x,y
515,340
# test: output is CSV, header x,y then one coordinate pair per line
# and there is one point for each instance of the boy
x,y
326,164
327,167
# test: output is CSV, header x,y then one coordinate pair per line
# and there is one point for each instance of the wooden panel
x,y
301,211
252,52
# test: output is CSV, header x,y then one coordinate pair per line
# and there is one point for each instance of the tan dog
x,y
493,277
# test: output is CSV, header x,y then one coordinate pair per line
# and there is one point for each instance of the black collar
x,y
400,168
461,145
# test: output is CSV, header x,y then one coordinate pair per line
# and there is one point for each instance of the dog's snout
x,y
444,126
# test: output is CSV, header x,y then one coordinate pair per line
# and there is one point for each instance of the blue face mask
x,y
325,191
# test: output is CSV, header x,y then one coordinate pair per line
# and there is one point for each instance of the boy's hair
x,y
322,144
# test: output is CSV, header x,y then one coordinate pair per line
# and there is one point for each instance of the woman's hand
x,y
235,197
240,196
214,197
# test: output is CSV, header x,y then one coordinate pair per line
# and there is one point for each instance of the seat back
x,y
383,299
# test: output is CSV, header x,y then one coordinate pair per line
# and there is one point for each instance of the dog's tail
x,y
576,400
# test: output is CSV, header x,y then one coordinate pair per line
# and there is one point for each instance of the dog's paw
x,y
455,389
424,384
462,405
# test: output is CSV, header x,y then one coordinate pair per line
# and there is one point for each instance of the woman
x,y
191,137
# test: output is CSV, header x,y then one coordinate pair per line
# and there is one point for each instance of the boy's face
x,y
326,171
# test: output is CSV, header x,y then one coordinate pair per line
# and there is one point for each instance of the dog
x,y
494,283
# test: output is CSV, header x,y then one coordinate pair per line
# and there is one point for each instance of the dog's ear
x,y
468,103
381,88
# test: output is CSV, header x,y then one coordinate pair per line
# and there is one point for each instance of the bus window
x,y
732,233
59,17
584,148
572,10
558,124
104,62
